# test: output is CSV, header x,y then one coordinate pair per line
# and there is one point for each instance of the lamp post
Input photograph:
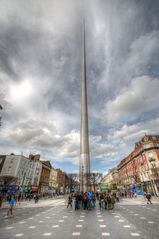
x,y
1,108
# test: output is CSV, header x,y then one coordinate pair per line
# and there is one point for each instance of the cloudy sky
x,y
40,78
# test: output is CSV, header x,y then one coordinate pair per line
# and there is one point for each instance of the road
x,y
51,219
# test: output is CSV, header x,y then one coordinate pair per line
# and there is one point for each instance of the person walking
x,y
69,201
11,205
148,197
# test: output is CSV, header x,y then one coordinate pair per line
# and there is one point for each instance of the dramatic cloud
x,y
136,131
140,97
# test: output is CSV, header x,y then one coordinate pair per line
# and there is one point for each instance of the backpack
x,y
85,198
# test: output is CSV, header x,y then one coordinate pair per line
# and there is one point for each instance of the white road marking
x,y
19,235
136,214
55,226
126,226
100,220
121,220
21,222
8,228
106,234
47,217
99,216
134,234
79,226
81,220
117,216
143,218
41,221
82,216
151,222
47,234
61,220
30,218
76,234
32,227
102,225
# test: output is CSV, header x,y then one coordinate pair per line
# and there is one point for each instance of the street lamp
x,y
1,108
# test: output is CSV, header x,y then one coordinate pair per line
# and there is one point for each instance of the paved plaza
x,y
51,219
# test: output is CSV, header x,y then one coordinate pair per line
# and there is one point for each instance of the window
x,y
153,165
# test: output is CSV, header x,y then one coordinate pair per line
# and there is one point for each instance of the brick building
x,y
60,181
141,166
45,177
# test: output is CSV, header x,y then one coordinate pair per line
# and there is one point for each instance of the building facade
x,y
60,181
111,179
18,168
37,169
141,166
53,182
45,177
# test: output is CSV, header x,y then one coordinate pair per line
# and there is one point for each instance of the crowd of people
x,y
85,201
88,200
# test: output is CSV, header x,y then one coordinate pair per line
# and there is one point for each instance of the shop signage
x,y
35,188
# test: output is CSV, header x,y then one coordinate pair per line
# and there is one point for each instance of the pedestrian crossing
x,y
58,222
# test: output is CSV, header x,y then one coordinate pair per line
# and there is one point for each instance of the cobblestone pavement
x,y
51,219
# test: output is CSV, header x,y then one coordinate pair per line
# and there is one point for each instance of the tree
x,y
74,181
94,179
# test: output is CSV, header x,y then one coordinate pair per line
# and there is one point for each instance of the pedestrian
x,y
148,197
101,201
105,201
19,198
85,201
90,197
117,196
36,198
1,199
94,201
113,201
81,200
109,202
11,205
69,201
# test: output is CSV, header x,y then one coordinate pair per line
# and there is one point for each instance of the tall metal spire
x,y
84,134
